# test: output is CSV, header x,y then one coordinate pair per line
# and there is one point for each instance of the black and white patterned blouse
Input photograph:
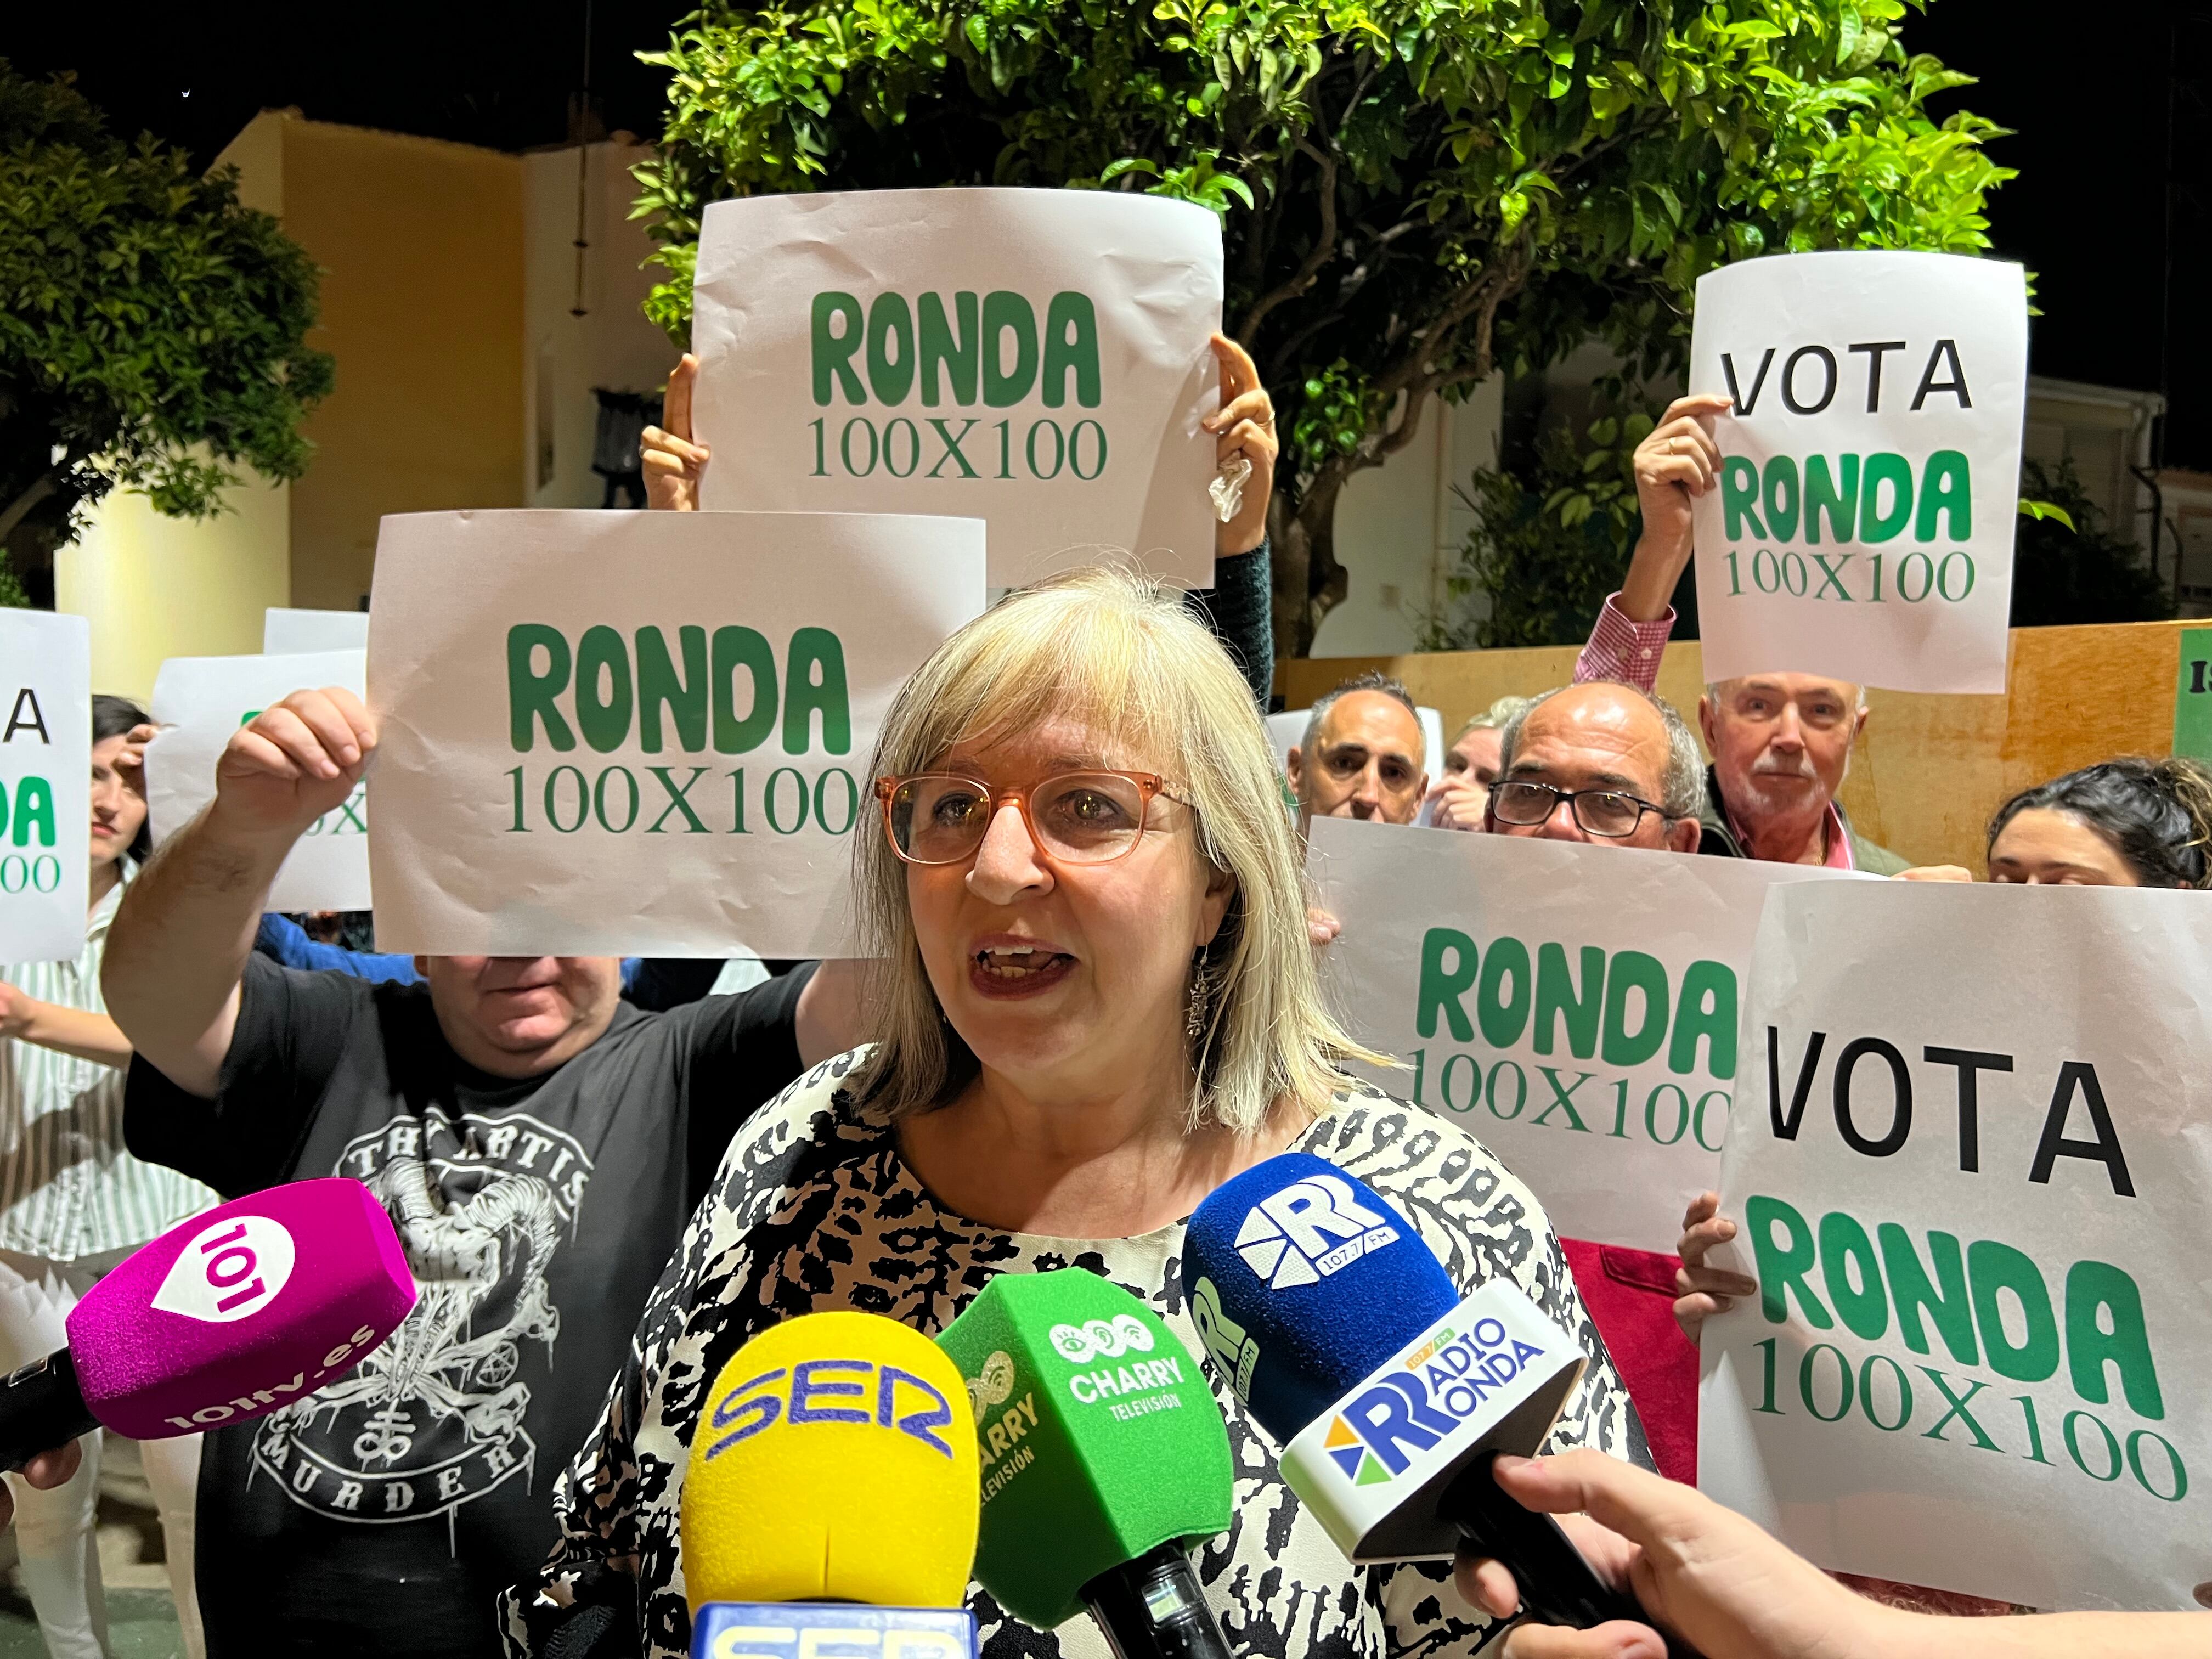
x,y
814,1208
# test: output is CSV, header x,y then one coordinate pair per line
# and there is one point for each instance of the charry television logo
x,y
1307,1231
1424,1400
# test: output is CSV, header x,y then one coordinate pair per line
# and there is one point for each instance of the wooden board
x,y
1929,769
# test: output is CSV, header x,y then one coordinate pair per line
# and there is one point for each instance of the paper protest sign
x,y
1972,1170
1575,1007
610,733
285,632
1863,525
45,789
200,702
1034,358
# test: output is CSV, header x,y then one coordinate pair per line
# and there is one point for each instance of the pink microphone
x,y
225,1317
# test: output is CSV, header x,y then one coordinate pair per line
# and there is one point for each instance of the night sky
x,y
2086,91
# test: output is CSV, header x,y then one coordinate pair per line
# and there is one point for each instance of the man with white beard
x,y
1780,743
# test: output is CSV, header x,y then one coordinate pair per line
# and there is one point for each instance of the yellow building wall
x,y
422,247
154,587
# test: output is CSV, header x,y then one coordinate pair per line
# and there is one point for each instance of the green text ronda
x,y
1991,1308
941,350
1869,500
1621,1008
722,693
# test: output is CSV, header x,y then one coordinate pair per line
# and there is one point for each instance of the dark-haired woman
x,y
2125,823
73,1203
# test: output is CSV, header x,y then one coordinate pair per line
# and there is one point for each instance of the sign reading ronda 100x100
x,y
631,733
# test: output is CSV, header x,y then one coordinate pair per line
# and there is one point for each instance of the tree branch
x,y
1414,375
1324,249
17,510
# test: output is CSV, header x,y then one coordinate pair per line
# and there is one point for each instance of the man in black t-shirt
x,y
538,1144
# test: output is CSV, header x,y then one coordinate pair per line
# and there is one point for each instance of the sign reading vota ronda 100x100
x,y
1863,524
1098,1432
632,733
1035,358
1973,1182
45,767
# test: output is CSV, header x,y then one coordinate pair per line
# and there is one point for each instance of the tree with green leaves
x,y
1416,194
152,330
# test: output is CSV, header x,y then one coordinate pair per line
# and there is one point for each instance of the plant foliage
x,y
1549,541
2068,566
1415,194
152,330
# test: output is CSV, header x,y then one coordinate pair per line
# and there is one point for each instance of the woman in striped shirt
x,y
73,1203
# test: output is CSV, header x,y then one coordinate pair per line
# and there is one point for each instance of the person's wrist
x,y
234,829
1654,567
1866,1629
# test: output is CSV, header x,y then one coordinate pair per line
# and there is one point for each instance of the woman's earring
x,y
1201,988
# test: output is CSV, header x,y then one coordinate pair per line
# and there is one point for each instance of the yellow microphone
x,y
831,1500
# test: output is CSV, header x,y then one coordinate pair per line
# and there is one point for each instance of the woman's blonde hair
x,y
1116,651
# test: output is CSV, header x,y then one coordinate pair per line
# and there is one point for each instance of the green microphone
x,y
1104,1459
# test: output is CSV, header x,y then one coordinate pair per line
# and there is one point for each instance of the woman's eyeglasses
x,y
1077,817
1612,813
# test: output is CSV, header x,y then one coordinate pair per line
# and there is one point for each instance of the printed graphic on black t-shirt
x,y
382,1517
434,1418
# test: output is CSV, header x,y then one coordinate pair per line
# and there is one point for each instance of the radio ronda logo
x,y
1426,1400
1307,1231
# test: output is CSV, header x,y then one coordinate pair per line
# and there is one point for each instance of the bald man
x,y
1602,763
1362,756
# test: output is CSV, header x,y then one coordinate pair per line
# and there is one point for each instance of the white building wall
x,y
610,344
1399,528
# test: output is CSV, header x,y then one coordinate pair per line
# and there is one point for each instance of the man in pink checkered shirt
x,y
1781,742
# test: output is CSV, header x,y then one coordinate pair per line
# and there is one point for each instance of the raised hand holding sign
x,y
1035,358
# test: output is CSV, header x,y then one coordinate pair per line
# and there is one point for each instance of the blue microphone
x,y
1388,1392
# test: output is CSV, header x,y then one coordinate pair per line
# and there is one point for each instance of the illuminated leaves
x,y
152,330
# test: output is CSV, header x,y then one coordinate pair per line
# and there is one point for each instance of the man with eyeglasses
x,y
1362,756
1601,762
1781,742
538,1143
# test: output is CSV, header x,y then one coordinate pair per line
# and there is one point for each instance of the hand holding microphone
x,y
1699,1569
224,1318
1718,1580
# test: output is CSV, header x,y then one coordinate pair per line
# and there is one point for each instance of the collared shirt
x,y
1622,649
1836,839
68,1188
